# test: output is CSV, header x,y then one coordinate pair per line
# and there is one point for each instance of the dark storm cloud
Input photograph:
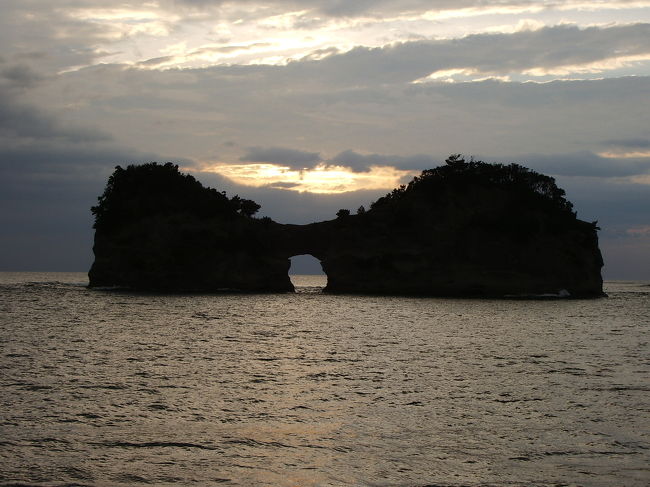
x,y
295,159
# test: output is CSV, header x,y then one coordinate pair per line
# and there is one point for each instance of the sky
x,y
314,105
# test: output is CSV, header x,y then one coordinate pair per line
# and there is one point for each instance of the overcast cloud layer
x,y
374,90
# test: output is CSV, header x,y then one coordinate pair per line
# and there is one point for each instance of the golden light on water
x,y
320,179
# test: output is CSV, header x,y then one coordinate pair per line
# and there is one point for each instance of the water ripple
x,y
115,389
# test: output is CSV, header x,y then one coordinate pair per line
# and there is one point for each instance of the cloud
x,y
382,8
173,33
639,231
487,54
51,173
206,53
577,164
362,162
45,37
292,158
286,206
20,76
587,164
157,61
283,185
629,143
19,120
337,8
228,49
193,112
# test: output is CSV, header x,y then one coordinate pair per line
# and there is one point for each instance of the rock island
x,y
467,229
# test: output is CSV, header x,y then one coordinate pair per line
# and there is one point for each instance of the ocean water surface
x,y
109,388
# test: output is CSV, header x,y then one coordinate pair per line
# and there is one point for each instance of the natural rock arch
x,y
464,229
305,264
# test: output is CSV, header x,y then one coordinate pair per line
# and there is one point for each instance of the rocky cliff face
x,y
463,229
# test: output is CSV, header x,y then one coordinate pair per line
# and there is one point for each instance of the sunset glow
x,y
640,154
321,179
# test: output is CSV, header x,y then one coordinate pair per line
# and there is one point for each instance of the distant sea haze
x,y
109,388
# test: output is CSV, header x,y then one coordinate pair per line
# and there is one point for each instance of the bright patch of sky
x,y
322,179
153,37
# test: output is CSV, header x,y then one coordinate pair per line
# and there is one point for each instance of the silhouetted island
x,y
466,228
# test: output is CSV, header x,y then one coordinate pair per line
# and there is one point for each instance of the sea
x,y
114,388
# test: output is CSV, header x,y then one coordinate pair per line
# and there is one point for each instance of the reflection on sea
x,y
112,388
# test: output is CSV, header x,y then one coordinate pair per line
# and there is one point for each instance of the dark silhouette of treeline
x,y
142,191
459,175
494,198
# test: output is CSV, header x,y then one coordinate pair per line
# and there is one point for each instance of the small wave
x,y
115,387
568,370
21,484
309,290
154,444
588,452
77,473
50,440
506,401
251,442
561,294
158,407
630,388
129,478
36,387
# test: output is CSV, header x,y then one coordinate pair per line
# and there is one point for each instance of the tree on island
x,y
146,190
459,176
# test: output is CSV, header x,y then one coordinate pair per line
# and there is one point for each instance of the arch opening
x,y
306,273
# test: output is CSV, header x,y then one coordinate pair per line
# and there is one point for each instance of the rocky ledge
x,y
462,229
